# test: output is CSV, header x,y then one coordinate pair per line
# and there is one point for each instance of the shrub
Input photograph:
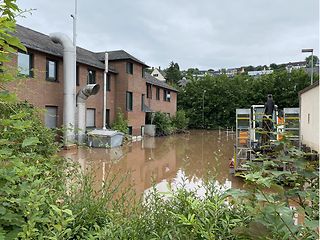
x,y
163,124
120,124
180,121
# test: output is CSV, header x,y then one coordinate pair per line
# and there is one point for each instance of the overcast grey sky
x,y
204,33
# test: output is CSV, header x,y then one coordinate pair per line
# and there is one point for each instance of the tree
x,y
173,73
273,66
309,60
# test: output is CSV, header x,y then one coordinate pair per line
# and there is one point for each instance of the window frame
x,y
94,76
57,112
165,95
55,78
31,64
129,68
143,73
94,117
158,93
149,91
108,81
142,101
129,101
78,75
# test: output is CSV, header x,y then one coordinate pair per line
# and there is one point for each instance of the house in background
x,y
158,74
128,87
295,65
259,73
309,116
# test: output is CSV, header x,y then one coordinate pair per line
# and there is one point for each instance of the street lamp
x,y
308,50
204,91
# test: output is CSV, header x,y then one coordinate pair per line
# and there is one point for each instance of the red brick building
x,y
129,87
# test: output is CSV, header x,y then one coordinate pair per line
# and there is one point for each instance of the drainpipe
x,y
69,91
105,75
82,96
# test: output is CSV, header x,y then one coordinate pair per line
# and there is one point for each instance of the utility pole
x,y
310,50
204,91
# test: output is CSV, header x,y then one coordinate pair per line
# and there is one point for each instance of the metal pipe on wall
x,y
69,91
105,75
82,96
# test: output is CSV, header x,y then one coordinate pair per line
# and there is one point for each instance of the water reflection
x,y
166,161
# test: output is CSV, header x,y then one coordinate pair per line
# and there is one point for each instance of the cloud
x,y
204,34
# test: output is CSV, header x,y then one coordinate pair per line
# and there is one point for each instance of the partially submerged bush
x,y
120,124
180,121
163,124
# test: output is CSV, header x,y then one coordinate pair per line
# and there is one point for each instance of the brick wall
x,y
41,93
161,105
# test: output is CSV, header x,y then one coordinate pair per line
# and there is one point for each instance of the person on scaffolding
x,y
267,124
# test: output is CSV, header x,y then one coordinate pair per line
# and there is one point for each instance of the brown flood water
x,y
164,160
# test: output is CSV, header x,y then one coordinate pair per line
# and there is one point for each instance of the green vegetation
x,y
43,196
120,124
166,125
180,121
223,95
173,74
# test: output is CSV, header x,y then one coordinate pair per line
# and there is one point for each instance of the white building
x,y
158,74
309,116
259,73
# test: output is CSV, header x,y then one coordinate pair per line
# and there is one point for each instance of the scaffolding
x,y
291,118
250,130
243,139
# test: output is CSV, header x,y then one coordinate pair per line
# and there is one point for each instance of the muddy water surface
x,y
171,160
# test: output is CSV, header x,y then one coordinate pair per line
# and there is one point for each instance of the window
x,y
91,117
50,117
129,67
25,64
77,75
91,76
130,130
108,117
108,83
149,91
52,70
143,72
155,74
129,101
166,95
142,101
158,93
308,118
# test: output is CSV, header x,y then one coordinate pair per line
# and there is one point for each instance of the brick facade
x,y
41,92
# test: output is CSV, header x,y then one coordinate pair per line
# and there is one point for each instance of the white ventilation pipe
x,y
82,96
69,91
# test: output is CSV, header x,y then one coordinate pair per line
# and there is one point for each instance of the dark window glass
x,y
130,130
142,101
143,72
158,93
25,64
108,117
52,70
91,76
108,83
129,101
149,91
129,67
77,75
